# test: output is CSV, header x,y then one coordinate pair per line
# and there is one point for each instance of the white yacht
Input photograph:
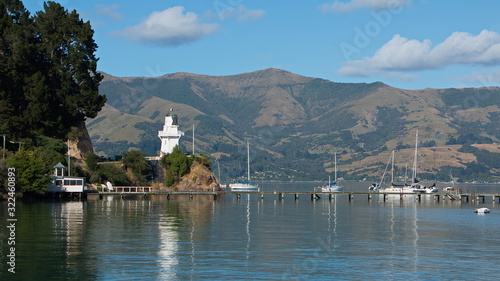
x,y
332,186
482,211
416,186
244,185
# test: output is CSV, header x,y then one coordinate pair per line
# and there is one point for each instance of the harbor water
x,y
250,238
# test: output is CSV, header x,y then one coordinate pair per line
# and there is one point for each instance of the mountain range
x,y
296,124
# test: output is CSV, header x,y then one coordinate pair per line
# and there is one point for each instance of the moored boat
x,y
332,186
416,186
245,185
482,211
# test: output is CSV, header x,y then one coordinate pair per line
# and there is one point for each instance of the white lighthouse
x,y
170,135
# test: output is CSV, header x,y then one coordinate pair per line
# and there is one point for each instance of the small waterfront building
x,y
62,183
171,134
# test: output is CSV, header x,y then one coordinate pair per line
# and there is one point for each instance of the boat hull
x,y
243,187
395,190
482,211
332,189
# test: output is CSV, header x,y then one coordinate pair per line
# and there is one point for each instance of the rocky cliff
x,y
82,146
200,178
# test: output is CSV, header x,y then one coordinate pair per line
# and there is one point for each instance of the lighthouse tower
x,y
170,135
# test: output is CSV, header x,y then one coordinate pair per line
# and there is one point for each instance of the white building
x,y
62,183
170,135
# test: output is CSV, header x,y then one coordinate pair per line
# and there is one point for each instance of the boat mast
x,y
248,160
69,161
415,158
406,173
392,169
218,168
335,168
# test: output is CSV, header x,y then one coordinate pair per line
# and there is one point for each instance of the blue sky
x,y
410,44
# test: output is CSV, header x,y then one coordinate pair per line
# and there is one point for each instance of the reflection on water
x,y
229,239
167,251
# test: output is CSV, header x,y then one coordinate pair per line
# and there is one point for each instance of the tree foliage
x,y
48,71
176,164
32,171
136,161
91,160
109,172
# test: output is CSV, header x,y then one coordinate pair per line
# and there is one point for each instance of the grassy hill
x,y
295,124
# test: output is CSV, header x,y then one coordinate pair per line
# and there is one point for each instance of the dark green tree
x,y
69,65
91,160
136,161
48,71
110,172
176,164
32,171
17,64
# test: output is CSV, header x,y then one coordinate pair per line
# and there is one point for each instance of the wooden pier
x,y
466,197
145,194
281,195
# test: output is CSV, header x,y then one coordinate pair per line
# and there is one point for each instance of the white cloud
x,y
403,54
240,13
109,11
171,27
377,5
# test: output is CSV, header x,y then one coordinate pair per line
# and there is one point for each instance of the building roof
x,y
59,165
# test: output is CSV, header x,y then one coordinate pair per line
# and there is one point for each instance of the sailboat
x,y
394,188
416,186
452,187
245,185
332,186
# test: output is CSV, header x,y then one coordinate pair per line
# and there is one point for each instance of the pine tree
x,y
48,71
17,58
